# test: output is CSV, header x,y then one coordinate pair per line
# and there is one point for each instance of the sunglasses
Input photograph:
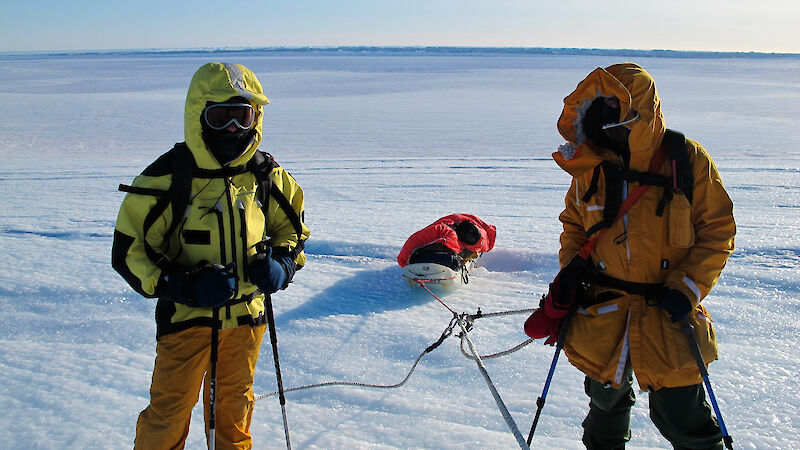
x,y
221,115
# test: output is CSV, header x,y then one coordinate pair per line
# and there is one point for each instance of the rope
x,y
465,322
494,355
479,315
422,283
445,334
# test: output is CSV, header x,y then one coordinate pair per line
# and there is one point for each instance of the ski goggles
x,y
221,115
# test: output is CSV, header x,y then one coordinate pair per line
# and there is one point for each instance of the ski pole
x,y
212,416
273,337
499,401
541,400
688,329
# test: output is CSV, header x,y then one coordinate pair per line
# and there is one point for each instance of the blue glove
x,y
205,286
676,304
271,272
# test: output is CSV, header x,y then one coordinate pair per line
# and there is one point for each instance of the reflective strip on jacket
x,y
685,249
223,221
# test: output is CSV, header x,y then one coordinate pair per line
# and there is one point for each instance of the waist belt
x,y
649,290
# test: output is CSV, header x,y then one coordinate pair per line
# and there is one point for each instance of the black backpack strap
x,y
675,143
143,191
262,164
180,163
614,177
681,182
593,185
183,167
287,208
682,179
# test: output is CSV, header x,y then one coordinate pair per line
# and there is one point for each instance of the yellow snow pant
x,y
182,366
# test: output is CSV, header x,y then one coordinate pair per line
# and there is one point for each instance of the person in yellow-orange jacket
x,y
650,269
212,263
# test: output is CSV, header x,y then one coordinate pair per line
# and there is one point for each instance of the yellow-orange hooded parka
x,y
685,248
224,220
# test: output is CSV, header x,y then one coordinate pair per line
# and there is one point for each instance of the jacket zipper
x,y
232,232
222,253
625,217
243,235
223,256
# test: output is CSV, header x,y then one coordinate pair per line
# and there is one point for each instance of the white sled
x,y
436,275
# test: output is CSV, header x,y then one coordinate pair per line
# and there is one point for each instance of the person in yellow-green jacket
x,y
651,268
212,228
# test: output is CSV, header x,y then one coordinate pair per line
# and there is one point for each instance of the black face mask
x,y
225,145
597,115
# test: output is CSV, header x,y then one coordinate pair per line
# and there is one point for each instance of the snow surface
x,y
383,145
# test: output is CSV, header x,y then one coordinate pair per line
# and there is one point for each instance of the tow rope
x,y
462,323
465,323
445,334
471,318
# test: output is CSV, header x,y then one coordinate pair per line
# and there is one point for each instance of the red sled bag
x,y
563,295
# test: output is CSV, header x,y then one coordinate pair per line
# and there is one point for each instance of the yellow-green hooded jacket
x,y
223,221
685,248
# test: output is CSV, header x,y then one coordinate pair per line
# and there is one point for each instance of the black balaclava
x,y
226,145
599,114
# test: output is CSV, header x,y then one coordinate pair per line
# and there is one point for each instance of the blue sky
x,y
712,25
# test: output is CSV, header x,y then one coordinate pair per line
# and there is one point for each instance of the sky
x,y
707,25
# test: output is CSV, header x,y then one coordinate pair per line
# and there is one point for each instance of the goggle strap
x,y
612,125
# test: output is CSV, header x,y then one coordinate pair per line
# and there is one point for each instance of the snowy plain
x,y
383,144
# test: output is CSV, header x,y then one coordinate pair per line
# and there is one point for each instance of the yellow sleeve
x,y
129,254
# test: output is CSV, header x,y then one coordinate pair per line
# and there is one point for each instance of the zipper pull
x,y
242,224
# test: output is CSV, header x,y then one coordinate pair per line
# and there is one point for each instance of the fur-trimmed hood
x,y
636,91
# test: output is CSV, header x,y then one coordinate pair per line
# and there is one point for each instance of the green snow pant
x,y
681,414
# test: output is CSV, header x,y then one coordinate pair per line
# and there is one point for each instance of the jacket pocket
x,y
595,334
681,229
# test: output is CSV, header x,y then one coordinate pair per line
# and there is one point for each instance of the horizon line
x,y
398,48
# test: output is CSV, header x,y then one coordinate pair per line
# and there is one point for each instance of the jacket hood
x,y
217,82
636,91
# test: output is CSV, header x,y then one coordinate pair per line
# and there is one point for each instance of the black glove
x,y
676,304
271,272
205,286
